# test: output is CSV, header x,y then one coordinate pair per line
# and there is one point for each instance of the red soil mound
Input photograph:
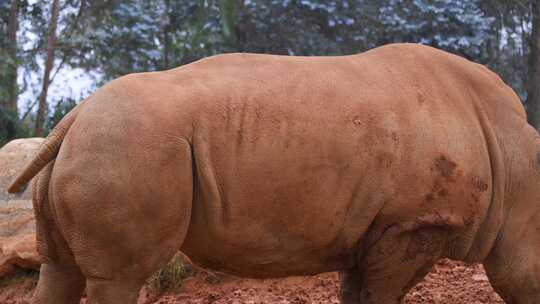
x,y
449,283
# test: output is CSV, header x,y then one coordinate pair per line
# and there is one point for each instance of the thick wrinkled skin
x,y
375,165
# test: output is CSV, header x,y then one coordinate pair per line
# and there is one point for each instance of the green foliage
x,y
170,277
135,35
20,276
458,26
60,110
11,127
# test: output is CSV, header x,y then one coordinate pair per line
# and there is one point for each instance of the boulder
x,y
17,226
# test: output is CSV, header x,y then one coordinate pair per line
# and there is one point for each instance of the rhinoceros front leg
x,y
351,280
59,284
396,262
513,266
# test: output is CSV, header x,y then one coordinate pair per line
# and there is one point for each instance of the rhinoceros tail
x,y
46,153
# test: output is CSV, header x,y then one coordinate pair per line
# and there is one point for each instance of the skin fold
x,y
375,165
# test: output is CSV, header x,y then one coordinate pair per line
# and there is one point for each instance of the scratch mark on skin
x,y
420,98
385,160
445,166
479,184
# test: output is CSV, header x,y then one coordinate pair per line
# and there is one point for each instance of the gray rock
x,y
17,226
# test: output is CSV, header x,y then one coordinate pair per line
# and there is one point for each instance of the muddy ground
x,y
448,283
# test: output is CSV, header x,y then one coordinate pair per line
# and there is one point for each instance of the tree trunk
x,y
13,26
166,38
533,94
51,42
228,11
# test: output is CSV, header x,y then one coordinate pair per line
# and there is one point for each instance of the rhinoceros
x,y
375,165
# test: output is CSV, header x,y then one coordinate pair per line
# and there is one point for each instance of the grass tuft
x,y
20,276
170,277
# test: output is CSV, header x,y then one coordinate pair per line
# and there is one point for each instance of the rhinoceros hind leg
x,y
124,223
396,262
112,292
123,284
60,279
59,284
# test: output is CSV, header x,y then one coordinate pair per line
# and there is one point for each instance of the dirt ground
x,y
449,283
